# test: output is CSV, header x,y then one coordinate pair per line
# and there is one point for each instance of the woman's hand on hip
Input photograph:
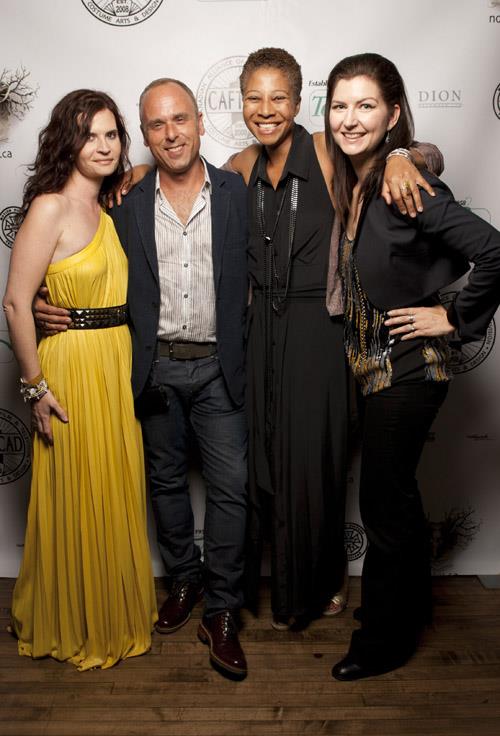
x,y
412,322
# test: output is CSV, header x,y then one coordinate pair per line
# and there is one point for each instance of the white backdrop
x,y
449,54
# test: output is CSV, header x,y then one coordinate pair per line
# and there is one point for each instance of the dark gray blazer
x,y
402,261
135,225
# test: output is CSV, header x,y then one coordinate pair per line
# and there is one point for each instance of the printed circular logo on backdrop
x,y
8,225
15,447
219,98
355,541
471,354
122,13
496,101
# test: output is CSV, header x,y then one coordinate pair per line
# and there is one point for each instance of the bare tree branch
x,y
16,95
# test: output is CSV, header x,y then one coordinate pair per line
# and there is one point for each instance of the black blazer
x,y
135,225
402,261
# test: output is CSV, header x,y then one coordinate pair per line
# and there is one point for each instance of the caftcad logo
x,y
219,98
474,353
14,447
9,225
496,102
122,12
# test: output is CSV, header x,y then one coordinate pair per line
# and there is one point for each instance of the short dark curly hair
x,y
275,59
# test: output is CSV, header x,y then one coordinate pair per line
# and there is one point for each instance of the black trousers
x,y
396,578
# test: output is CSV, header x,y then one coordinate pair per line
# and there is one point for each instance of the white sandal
x,y
338,602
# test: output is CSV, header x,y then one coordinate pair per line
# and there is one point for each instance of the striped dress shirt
x,y
187,292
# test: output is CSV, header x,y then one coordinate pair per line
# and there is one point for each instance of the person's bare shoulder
x,y
39,235
319,141
324,159
244,161
47,212
51,205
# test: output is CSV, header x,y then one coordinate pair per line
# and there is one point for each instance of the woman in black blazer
x,y
396,341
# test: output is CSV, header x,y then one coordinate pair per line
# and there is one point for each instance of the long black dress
x,y
297,390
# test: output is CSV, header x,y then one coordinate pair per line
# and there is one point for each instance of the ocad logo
x,y
15,447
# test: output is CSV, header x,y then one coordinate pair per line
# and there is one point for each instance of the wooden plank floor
x,y
452,685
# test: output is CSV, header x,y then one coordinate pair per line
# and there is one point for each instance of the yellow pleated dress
x,y
85,592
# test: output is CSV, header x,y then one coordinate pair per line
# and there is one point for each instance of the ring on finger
x,y
412,327
411,317
406,187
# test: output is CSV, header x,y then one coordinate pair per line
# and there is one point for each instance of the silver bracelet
x,y
399,152
31,392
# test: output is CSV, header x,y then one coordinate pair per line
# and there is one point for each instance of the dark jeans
x,y
396,578
184,394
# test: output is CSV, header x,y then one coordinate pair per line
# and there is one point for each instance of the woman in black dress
x,y
297,382
297,386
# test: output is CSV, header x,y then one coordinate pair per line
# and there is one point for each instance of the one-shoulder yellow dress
x,y
85,592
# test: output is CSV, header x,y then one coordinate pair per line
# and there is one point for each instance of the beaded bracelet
x,y
399,152
33,392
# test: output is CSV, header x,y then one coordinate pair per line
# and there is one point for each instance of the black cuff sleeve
x,y
452,315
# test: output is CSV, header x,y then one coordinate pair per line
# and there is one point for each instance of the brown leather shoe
x,y
220,633
176,611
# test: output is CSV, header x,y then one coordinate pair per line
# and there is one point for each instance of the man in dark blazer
x,y
184,230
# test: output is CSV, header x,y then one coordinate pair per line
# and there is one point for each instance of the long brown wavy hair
x,y
64,137
392,88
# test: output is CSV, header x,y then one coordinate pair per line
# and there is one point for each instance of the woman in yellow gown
x,y
85,591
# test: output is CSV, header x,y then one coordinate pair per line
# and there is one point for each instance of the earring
x,y
388,136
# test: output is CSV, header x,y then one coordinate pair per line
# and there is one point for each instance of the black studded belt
x,y
98,318
186,350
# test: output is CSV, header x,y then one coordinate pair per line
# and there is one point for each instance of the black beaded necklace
x,y
272,278
273,299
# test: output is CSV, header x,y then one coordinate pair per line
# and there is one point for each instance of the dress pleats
x,y
85,592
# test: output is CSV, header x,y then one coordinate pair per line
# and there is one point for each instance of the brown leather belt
x,y
98,318
186,350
